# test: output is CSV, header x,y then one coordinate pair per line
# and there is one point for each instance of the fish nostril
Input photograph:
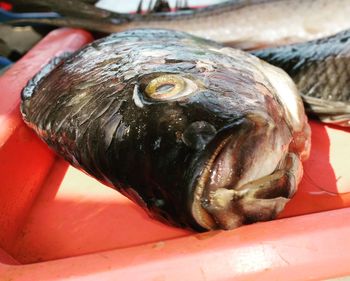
x,y
198,134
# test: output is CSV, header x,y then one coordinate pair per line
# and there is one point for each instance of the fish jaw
x,y
249,177
256,169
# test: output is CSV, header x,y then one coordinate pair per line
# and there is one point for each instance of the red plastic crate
x,y
56,223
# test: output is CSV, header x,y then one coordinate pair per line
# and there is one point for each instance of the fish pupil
x,y
165,87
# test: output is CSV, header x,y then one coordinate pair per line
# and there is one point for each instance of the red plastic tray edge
x,y
311,247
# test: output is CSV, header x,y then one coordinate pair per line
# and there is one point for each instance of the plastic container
x,y
56,223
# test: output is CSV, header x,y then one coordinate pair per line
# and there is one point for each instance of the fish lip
x,y
216,186
213,149
206,219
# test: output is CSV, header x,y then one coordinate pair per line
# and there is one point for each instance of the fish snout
x,y
250,176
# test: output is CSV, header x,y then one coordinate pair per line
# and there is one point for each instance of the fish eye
x,y
169,87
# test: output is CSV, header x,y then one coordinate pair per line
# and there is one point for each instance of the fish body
x,y
240,23
321,71
201,136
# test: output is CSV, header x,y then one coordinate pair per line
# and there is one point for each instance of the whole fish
x,y
247,24
321,71
200,136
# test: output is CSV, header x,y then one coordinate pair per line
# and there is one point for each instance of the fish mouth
x,y
249,176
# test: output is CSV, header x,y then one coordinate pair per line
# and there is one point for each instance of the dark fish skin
x,y
226,130
321,71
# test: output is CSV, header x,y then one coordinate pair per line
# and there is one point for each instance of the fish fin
x,y
28,90
139,8
150,5
184,6
160,6
334,112
340,120
177,5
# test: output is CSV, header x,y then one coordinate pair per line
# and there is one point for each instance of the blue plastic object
x,y
4,62
8,16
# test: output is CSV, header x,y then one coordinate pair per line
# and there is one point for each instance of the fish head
x,y
200,135
208,127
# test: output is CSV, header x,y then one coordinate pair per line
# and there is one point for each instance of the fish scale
x,y
321,71
216,148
